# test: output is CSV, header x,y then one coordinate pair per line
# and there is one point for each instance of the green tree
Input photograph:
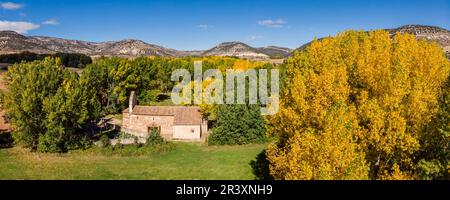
x,y
238,124
434,155
47,106
29,85
98,83
66,117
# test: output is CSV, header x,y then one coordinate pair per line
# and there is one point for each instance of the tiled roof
x,y
183,115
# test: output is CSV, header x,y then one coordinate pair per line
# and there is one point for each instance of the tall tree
x,y
361,93
48,107
29,85
238,124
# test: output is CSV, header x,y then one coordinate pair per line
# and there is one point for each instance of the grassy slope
x,y
187,161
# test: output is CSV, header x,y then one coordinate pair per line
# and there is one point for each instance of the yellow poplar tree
x,y
354,105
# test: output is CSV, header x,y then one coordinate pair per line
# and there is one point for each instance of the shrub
x,y
104,141
154,137
132,149
50,143
80,142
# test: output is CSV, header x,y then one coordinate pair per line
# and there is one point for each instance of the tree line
x,y
54,109
75,60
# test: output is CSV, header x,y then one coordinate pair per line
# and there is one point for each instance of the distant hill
x,y
242,50
12,42
430,33
274,51
239,49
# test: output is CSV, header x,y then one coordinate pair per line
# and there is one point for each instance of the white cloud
x,y
204,26
51,22
256,37
11,6
272,23
20,27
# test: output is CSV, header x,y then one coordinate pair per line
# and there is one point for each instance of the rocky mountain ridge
x,y
12,42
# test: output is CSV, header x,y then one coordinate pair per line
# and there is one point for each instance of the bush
x,y
137,143
54,142
50,143
136,150
84,143
132,149
104,141
155,144
154,137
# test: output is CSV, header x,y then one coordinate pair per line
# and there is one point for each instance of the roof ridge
x,y
183,115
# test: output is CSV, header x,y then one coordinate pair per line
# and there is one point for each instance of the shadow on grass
x,y
260,167
6,140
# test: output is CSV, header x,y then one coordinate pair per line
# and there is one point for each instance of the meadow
x,y
185,161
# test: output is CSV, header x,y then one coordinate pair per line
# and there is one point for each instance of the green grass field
x,y
186,161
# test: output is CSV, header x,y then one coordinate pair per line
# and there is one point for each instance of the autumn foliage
x,y
362,105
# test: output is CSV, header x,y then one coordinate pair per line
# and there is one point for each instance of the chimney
x,y
132,101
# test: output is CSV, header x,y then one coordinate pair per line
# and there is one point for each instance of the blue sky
x,y
201,24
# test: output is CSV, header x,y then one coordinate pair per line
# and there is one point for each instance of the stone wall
x,y
139,125
186,132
